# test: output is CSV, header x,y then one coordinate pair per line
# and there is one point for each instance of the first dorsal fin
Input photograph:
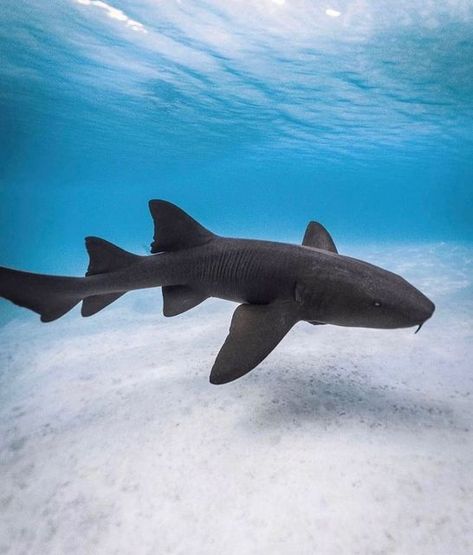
x,y
318,237
174,229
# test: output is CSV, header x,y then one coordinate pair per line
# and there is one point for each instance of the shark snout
x,y
429,309
424,308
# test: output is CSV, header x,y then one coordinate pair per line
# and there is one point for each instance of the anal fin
x,y
95,303
180,298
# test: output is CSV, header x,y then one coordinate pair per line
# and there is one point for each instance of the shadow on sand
x,y
332,397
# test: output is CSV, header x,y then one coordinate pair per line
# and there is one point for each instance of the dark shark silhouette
x,y
278,285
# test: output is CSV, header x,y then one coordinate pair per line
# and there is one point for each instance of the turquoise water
x,y
253,116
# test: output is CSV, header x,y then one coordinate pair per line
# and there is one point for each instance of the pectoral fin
x,y
318,237
254,332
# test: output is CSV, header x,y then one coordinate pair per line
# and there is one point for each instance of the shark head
x,y
349,292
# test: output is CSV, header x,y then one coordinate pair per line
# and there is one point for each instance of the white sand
x,y
343,441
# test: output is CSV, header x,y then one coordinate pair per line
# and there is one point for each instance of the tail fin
x,y
50,296
104,257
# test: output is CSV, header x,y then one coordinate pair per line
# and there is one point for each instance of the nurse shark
x,y
277,284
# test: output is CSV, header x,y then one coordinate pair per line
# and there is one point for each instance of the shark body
x,y
277,284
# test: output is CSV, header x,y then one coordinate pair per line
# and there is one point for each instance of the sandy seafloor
x,y
343,441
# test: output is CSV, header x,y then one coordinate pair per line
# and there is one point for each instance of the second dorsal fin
x,y
174,229
106,257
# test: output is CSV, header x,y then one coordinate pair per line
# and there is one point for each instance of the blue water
x,y
253,116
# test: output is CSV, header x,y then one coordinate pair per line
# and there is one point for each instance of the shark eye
x,y
377,304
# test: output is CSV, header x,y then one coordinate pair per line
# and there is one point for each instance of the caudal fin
x,y
50,296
